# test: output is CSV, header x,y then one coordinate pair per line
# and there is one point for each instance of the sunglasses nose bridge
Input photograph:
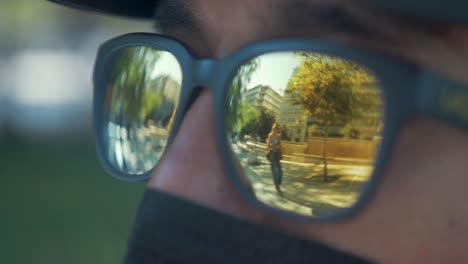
x,y
203,72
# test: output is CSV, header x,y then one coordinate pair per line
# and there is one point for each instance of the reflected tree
x,y
159,99
131,80
285,133
333,91
256,121
266,119
235,100
249,120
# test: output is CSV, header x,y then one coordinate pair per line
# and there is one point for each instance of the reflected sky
x,y
271,70
167,65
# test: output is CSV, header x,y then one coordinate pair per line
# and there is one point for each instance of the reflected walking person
x,y
275,156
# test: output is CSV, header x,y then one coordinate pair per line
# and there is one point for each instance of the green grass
x,y
58,206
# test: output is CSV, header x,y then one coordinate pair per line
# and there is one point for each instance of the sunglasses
x,y
304,127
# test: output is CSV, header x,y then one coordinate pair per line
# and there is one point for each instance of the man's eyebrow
x,y
287,16
356,18
293,17
300,15
174,14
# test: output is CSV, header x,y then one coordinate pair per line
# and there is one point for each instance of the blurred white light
x,y
49,77
48,92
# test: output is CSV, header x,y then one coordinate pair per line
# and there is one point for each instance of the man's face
x,y
418,213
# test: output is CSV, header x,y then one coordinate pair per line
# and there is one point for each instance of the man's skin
x,y
419,212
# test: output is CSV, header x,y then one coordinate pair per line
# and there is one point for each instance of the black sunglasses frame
x,y
407,90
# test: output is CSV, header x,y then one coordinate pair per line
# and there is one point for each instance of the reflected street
x,y
304,191
136,150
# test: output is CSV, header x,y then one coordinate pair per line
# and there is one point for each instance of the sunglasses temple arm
x,y
442,99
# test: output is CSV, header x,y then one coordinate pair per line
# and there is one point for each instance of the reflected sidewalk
x,y
304,190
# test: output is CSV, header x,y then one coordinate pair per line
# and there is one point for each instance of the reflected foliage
x,y
130,77
265,122
141,100
249,118
333,91
255,122
323,97
238,110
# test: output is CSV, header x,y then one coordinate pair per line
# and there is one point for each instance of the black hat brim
x,y
143,9
449,11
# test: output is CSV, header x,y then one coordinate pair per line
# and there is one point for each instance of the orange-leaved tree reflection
x,y
333,92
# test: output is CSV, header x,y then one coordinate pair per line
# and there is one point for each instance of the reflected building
x,y
294,120
265,96
168,90
299,126
368,125
167,86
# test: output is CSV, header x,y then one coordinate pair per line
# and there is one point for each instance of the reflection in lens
x,y
305,128
141,99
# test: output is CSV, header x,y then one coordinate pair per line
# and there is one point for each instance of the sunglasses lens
x,y
305,129
140,102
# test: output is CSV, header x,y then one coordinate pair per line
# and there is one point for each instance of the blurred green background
x,y
57,204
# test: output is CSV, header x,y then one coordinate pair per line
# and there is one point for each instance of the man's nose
x,y
192,166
